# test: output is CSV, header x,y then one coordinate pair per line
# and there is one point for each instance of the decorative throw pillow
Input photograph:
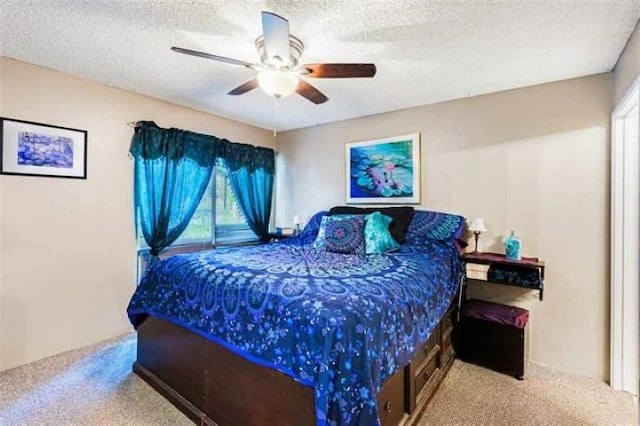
x,y
377,238
401,217
341,234
435,225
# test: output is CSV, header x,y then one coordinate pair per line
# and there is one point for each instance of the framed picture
x,y
36,149
384,171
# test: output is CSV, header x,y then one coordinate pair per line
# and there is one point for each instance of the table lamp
x,y
477,227
297,221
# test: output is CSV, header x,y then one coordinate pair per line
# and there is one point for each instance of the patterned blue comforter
x,y
339,323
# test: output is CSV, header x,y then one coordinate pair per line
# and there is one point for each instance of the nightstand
x,y
277,237
497,269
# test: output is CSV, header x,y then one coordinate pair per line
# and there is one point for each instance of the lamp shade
x,y
477,225
278,84
297,220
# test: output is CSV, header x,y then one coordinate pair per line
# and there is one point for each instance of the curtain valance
x,y
151,142
237,156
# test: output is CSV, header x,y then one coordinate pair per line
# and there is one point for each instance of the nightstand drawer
x,y
424,375
495,268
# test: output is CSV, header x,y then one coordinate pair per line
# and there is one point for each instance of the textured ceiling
x,y
426,51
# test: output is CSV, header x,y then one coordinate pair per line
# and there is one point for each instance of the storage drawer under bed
x,y
391,400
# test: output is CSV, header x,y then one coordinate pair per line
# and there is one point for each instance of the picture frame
x,y
28,148
384,171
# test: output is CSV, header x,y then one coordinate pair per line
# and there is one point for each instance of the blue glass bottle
x,y
513,247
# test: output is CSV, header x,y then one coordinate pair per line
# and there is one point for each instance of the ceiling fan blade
x,y
214,57
311,93
339,70
244,88
275,30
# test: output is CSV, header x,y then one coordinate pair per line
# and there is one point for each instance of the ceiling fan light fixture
x,y
278,84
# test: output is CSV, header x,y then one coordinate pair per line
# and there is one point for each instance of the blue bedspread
x,y
339,323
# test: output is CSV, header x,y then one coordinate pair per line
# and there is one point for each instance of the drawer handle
x,y
425,376
387,406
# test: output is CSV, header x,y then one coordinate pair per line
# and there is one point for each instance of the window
x,y
230,225
217,219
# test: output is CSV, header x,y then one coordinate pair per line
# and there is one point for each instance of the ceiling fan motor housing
x,y
296,49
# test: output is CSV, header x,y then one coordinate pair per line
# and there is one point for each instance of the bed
x,y
284,333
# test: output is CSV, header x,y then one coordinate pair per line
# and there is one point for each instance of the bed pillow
x,y
435,226
377,238
401,217
341,234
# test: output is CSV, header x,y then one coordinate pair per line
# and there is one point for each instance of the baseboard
x,y
571,373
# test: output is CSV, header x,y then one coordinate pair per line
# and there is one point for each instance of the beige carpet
x,y
471,395
94,385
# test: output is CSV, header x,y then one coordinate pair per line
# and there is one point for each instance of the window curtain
x,y
251,173
171,171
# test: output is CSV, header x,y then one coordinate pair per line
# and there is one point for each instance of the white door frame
x,y
625,242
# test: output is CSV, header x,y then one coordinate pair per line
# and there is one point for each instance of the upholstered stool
x,y
493,335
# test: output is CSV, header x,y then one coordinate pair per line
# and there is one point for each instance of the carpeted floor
x,y
94,385
471,395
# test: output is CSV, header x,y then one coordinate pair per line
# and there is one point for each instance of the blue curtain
x,y
172,169
171,172
250,171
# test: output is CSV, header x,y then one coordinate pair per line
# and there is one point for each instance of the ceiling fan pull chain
x,y
275,117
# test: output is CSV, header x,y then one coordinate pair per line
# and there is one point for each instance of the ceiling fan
x,y
279,73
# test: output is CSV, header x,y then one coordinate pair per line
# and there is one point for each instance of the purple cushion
x,y
341,234
496,313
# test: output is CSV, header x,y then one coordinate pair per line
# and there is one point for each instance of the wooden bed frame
x,y
211,385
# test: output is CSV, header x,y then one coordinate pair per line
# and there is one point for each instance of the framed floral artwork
x,y
36,149
384,171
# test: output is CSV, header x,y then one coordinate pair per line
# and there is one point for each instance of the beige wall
x,y
535,160
628,67
67,247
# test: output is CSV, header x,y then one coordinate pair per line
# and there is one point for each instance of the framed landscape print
x,y
384,171
36,149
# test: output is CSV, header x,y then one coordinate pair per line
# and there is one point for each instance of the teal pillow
x,y
377,238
